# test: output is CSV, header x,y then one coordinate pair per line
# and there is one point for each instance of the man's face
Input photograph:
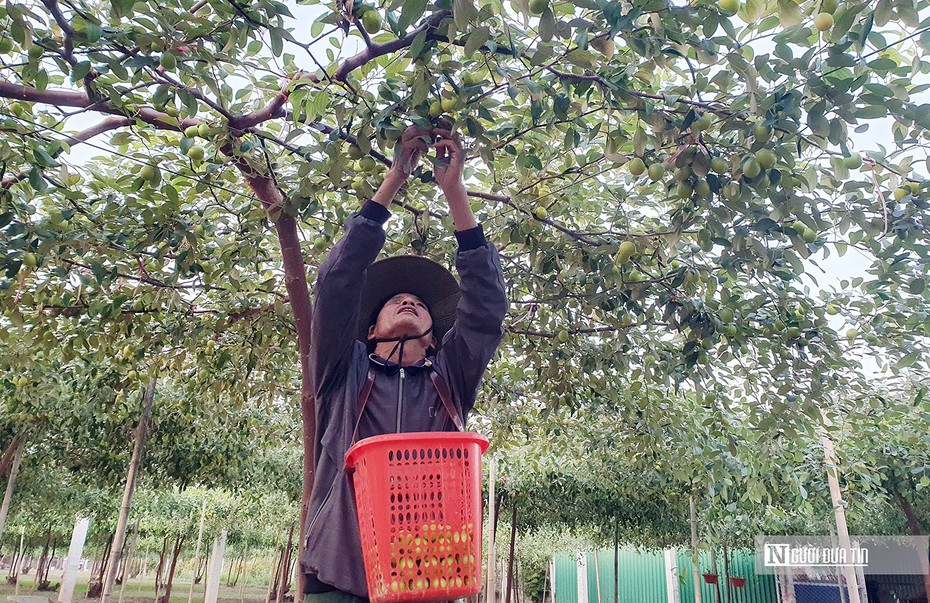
x,y
404,314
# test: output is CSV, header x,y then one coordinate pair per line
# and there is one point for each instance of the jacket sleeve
x,y
470,344
338,293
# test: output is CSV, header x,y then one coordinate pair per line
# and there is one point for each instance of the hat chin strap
x,y
400,343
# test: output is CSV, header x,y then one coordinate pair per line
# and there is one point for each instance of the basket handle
x,y
362,401
443,390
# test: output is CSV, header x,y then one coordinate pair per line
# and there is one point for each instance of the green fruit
x,y
914,186
656,172
829,6
172,111
719,165
354,152
470,78
681,174
900,193
367,164
18,109
191,131
702,123
637,167
852,334
449,104
147,172
538,7
793,332
541,212
196,152
371,21
626,252
203,129
726,315
751,168
563,336
728,7
702,189
809,235
823,22
30,260
6,45
832,310
35,51
435,109
132,375
684,190
799,227
634,276
168,61
761,132
853,162
766,158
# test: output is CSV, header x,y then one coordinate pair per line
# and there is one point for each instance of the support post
x,y
73,560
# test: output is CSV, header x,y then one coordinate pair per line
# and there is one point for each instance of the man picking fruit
x,y
397,346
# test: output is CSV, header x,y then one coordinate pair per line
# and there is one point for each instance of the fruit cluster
x,y
434,556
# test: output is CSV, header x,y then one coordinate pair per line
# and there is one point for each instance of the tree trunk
x,y
284,584
159,571
726,568
513,546
273,578
713,568
279,563
201,569
43,560
124,572
48,565
914,525
95,588
295,283
142,431
179,541
616,561
11,482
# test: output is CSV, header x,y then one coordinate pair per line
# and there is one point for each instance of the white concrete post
x,y
671,576
74,559
215,570
552,578
582,566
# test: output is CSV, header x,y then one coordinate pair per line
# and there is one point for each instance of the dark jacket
x,y
340,363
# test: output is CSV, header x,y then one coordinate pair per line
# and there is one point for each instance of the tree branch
x,y
109,123
376,50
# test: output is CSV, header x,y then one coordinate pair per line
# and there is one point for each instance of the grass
x,y
139,590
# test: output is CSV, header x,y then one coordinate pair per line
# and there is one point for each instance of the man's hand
x,y
450,160
413,144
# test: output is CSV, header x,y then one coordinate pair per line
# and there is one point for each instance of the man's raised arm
x,y
341,276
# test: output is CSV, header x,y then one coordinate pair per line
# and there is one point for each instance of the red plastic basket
x,y
418,497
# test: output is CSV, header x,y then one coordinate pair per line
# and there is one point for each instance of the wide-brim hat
x,y
421,276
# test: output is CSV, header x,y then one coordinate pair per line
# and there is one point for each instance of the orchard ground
x,y
138,590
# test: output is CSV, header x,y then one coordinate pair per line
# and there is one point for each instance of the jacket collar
x,y
393,367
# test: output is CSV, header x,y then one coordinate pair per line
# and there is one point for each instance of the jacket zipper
x,y
320,510
400,397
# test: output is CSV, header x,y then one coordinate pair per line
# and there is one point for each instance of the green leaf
x,y
80,70
410,13
463,12
476,40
